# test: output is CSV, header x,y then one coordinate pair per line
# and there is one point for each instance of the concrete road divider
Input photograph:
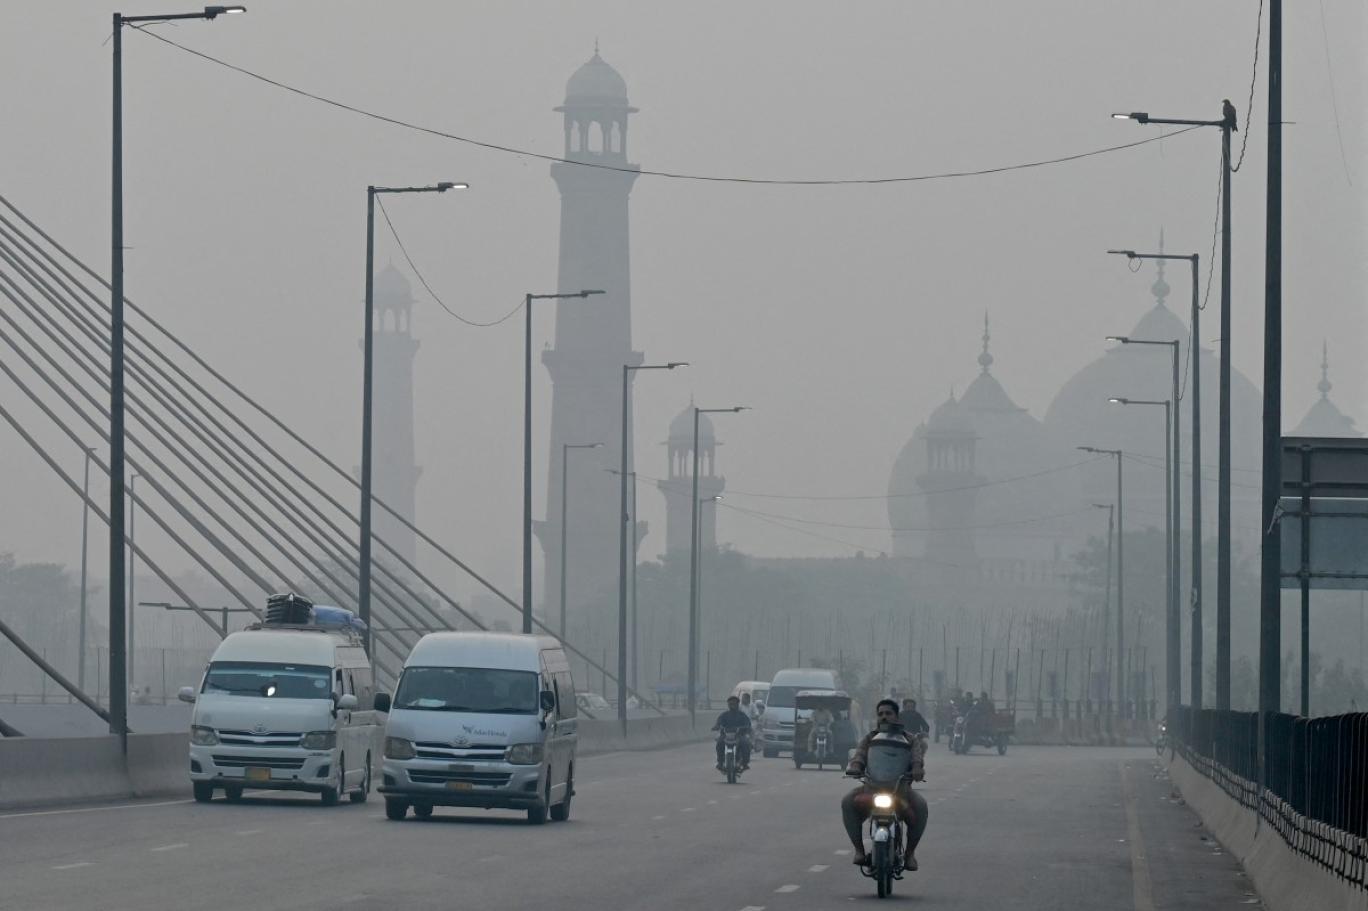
x,y
37,772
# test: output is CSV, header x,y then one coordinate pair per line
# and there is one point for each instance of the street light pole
x,y
1120,576
132,579
707,678
693,560
118,608
636,628
1106,601
527,451
85,539
623,519
1173,653
565,520
363,595
1195,406
1227,125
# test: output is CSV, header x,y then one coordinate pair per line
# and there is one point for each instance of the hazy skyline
x,y
842,315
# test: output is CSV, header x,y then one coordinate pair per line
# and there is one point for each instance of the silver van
x,y
777,723
481,720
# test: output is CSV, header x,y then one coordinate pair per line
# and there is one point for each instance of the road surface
x,y
1084,829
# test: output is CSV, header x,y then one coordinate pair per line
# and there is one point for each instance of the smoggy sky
x,y
842,315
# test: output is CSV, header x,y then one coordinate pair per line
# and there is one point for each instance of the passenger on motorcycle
x,y
821,718
857,805
733,717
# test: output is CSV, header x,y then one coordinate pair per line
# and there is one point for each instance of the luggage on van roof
x,y
287,607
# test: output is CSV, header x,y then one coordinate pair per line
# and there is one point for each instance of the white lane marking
x,y
842,851
753,908
737,796
250,832
790,887
752,793
490,859
817,868
177,846
654,818
712,803
83,863
687,810
121,806
1140,875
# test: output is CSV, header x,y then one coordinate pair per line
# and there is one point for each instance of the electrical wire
x,y
909,495
1253,77
414,266
674,175
1334,103
1013,522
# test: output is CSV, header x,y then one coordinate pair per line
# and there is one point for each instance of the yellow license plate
x,y
459,786
257,774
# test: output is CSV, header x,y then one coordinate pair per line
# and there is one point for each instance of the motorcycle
x,y
1161,742
987,730
821,737
731,754
889,764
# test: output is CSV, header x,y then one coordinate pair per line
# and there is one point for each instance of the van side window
x,y
565,696
351,684
337,682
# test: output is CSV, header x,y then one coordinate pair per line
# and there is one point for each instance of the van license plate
x,y
254,774
459,786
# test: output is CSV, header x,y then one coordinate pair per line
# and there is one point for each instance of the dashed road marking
x,y
250,832
788,887
842,851
490,859
656,818
82,863
712,803
753,908
817,868
176,847
688,810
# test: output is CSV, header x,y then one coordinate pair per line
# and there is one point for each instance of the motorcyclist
x,y
911,808
821,716
733,717
912,720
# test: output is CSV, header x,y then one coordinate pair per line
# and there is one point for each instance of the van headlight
x,y
525,753
398,748
202,736
319,740
883,801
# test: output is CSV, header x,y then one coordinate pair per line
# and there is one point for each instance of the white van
x,y
280,708
776,724
481,720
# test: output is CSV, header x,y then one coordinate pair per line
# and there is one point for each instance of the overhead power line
x,y
674,175
1253,77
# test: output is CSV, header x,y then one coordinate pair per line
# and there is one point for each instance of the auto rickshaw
x,y
825,732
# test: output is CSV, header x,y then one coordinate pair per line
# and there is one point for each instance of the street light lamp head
x,y
1102,506
1119,401
451,185
673,364
211,12
1137,116
1123,339
587,293
1129,254
740,408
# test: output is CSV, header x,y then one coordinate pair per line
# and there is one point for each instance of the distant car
x,y
592,703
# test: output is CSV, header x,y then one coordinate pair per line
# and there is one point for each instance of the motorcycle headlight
x,y
524,753
202,736
398,748
319,740
883,801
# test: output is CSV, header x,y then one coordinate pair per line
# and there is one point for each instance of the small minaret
x,y
678,483
1323,419
396,468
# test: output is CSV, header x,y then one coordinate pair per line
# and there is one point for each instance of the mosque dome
x,y
682,428
596,83
1324,419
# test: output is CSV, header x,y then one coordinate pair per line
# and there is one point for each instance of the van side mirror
x,y
759,706
382,702
548,701
347,702
186,694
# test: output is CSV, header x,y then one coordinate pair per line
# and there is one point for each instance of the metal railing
x,y
1314,775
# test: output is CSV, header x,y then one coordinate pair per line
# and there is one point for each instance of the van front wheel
x,y
204,792
561,811
360,795
395,809
332,792
537,815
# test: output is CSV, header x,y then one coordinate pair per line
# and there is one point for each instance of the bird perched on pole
x,y
1228,114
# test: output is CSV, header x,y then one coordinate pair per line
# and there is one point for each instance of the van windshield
x,y
781,697
468,689
264,679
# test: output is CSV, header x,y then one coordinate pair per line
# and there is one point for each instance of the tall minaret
x,y
678,483
396,469
593,342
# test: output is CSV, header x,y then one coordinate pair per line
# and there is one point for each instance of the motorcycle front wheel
x,y
883,868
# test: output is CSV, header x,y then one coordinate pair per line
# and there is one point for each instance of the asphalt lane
x,y
1039,828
